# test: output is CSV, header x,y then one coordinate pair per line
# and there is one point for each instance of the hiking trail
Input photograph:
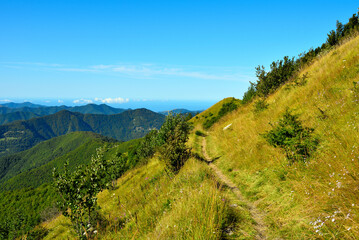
x,y
256,214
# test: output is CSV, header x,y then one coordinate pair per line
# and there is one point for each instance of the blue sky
x,y
122,52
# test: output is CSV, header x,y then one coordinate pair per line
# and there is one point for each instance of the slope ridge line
x,y
256,214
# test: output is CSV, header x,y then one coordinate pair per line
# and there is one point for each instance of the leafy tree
x,y
332,38
250,94
172,139
340,30
148,146
281,71
78,191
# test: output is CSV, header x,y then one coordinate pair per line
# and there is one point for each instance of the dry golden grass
x,y
149,204
300,197
316,200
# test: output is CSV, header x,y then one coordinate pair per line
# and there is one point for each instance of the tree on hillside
x,y
78,191
172,139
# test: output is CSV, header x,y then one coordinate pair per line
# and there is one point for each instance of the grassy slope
x,y
150,205
212,111
325,189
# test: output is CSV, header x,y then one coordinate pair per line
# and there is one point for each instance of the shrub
x,y
260,105
172,139
301,81
250,94
225,108
199,133
78,192
298,142
38,233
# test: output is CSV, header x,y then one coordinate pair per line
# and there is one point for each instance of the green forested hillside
x,y
14,116
27,196
43,153
22,135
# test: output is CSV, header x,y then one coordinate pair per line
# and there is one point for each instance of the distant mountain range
x,y
21,105
21,135
23,111
10,112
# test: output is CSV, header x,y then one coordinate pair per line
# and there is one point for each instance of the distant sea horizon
x,y
153,105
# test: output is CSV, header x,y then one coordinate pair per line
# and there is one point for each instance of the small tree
x,y
172,139
298,142
78,191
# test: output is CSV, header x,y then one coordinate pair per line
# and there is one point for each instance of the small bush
x,y
209,122
226,108
199,133
260,105
37,234
298,142
301,81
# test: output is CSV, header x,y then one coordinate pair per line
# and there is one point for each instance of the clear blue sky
x,y
131,51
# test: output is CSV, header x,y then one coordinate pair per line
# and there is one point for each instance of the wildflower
x,y
349,228
333,220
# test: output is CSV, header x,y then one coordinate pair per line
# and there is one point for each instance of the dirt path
x,y
257,216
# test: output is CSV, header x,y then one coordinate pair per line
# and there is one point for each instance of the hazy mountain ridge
x,y
21,105
22,135
25,111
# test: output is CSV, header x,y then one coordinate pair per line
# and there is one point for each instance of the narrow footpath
x,y
256,215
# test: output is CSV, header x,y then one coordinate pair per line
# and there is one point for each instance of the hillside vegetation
x,y
280,164
316,197
22,135
27,194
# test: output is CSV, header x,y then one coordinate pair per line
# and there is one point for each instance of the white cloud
x,y
112,100
82,101
151,70
101,66
5,100
60,101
